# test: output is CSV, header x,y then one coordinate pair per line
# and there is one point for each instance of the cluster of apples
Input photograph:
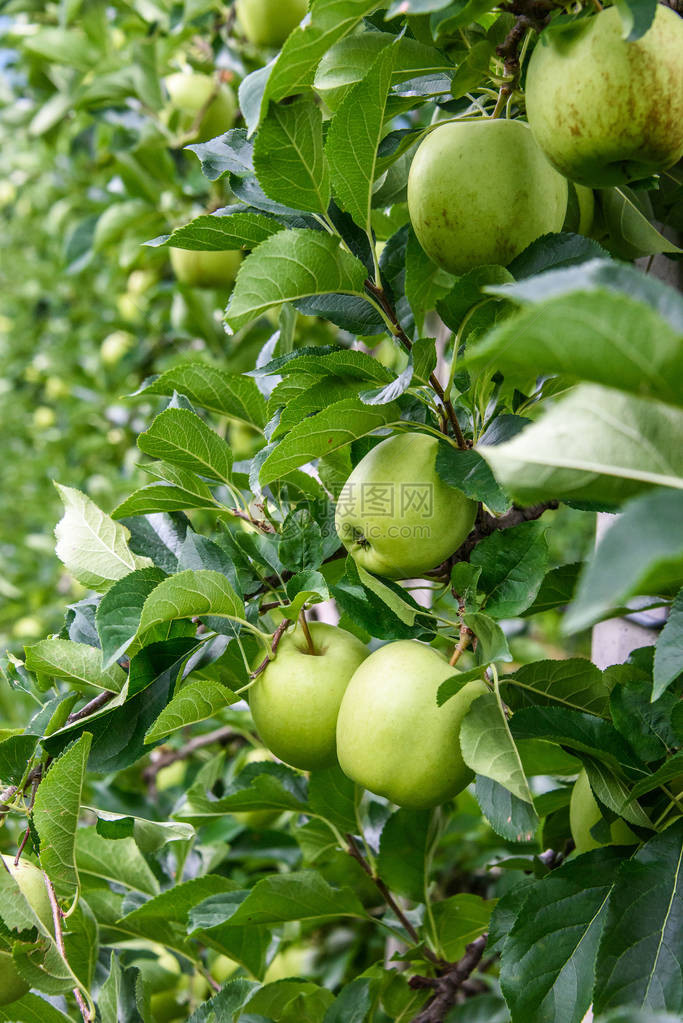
x,y
601,111
337,702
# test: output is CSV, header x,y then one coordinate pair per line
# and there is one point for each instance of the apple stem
x,y
464,641
307,633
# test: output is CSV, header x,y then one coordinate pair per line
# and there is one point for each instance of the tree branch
x,y
99,701
448,985
219,735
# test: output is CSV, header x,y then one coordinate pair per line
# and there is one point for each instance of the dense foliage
x,y
220,326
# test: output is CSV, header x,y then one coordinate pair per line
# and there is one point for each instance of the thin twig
x,y
277,636
59,941
380,296
160,760
99,701
354,851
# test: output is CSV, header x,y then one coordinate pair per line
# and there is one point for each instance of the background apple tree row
x,y
330,337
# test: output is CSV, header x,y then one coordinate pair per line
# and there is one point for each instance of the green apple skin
x,y
604,110
479,192
32,886
391,540
295,701
206,269
269,22
12,984
580,210
393,738
584,813
190,92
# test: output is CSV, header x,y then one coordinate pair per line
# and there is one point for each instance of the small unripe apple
x,y
115,346
393,738
295,701
191,92
206,269
605,110
56,388
580,209
479,192
269,22
12,984
222,968
44,417
395,515
584,813
293,961
32,886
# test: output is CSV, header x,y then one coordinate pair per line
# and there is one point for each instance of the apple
x,y
295,701
222,968
481,191
206,269
584,813
190,92
269,22
32,886
44,417
393,738
294,961
604,110
395,515
12,984
115,346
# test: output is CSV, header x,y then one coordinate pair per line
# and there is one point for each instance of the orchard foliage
x,y
189,875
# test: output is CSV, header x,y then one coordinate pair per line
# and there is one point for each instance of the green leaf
x,y
669,650
601,336
327,431
512,564
166,497
636,18
289,159
93,547
302,895
228,394
459,920
333,796
230,152
467,471
15,751
492,644
260,786
225,230
150,836
189,594
425,282
353,1003
614,793
195,702
293,264
548,959
55,815
595,444
630,231
354,136
77,663
638,962
574,682
119,862
180,437
489,749
642,552
512,818
556,590
31,1009
118,614
403,848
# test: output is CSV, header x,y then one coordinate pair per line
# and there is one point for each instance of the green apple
x,y
295,701
12,984
269,22
604,110
191,92
206,269
44,417
393,738
32,886
115,346
395,515
222,968
584,813
294,961
481,191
